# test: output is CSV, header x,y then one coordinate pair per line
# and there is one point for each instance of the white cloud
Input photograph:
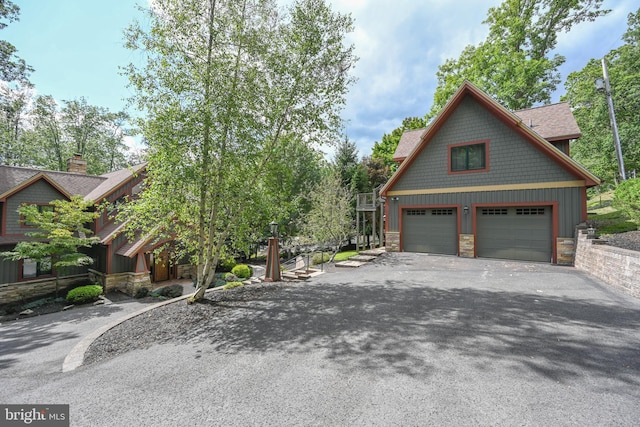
x,y
401,44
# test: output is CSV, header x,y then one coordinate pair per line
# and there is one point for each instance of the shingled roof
x,y
91,187
408,140
553,122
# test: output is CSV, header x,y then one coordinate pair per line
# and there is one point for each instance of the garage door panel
x,y
521,233
430,231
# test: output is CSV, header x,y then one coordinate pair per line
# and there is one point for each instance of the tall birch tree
x,y
221,83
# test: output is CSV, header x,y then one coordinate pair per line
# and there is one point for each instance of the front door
x,y
161,268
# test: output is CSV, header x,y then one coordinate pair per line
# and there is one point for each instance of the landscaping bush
x,y
226,264
141,293
320,258
84,294
218,280
242,271
232,285
171,291
627,198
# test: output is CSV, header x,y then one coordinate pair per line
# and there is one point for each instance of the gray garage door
x,y
430,230
522,233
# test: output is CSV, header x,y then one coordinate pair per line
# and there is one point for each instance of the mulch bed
x,y
177,322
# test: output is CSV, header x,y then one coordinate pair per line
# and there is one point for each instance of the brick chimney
x,y
76,165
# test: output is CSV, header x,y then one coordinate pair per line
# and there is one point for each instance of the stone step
x,y
373,252
350,264
362,258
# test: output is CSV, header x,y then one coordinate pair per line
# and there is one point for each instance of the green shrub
x,y
218,280
242,271
171,291
141,293
226,264
320,258
232,285
627,198
84,294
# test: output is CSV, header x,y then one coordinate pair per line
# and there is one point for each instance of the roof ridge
x,y
541,106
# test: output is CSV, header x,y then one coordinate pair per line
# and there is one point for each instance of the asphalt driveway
x,y
408,340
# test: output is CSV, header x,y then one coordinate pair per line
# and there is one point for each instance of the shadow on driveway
x,y
391,328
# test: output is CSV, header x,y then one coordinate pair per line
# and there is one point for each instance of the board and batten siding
x,y
121,264
8,269
40,192
511,159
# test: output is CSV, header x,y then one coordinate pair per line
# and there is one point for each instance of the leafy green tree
x,y
223,84
627,198
14,101
329,223
346,161
295,170
58,234
48,127
12,68
595,148
78,127
515,63
385,149
377,171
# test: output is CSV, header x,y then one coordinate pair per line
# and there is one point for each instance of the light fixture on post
x,y
273,255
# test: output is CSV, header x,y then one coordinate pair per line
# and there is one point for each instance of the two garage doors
x,y
519,233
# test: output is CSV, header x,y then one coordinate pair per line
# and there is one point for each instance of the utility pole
x,y
612,118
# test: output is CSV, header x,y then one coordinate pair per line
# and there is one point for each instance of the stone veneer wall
x,y
392,241
617,267
22,291
565,250
128,283
466,243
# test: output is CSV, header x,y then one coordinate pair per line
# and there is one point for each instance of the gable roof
x,y
553,122
13,179
510,119
113,180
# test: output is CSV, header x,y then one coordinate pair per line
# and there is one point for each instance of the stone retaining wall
x,y
23,291
617,267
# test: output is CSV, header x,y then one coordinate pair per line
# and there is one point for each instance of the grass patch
x,y
607,219
343,256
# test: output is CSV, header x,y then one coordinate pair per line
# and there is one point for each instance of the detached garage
x,y
482,181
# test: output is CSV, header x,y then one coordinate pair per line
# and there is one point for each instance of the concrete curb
x,y
76,356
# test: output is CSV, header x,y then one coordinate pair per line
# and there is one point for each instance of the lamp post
x,y
273,256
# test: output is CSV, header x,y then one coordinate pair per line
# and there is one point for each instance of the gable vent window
x,y
530,211
469,157
416,212
494,211
442,212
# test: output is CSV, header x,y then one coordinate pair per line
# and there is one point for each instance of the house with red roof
x,y
118,261
482,181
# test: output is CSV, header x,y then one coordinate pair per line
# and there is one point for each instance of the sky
x,y
77,46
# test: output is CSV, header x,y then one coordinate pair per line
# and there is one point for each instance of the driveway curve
x,y
409,339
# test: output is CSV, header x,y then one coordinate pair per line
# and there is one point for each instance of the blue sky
x,y
76,47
